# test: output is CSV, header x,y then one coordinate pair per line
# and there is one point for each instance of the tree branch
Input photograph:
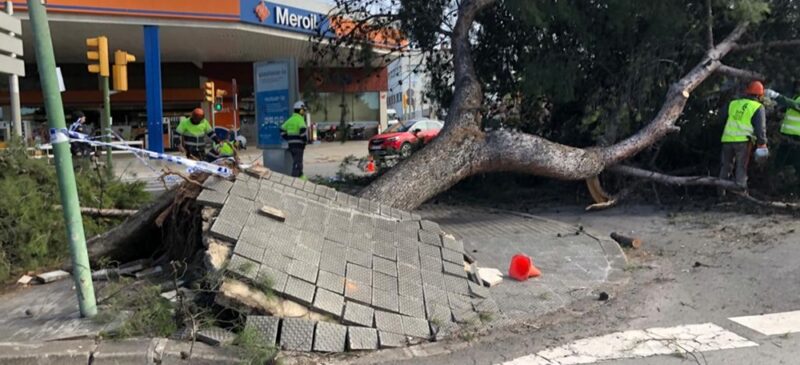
x,y
675,180
790,43
710,24
739,73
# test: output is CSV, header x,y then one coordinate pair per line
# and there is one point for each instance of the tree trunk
x,y
463,149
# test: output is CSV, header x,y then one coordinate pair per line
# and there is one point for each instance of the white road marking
x,y
638,344
771,324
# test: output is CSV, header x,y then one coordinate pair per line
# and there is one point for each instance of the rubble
x,y
52,276
25,280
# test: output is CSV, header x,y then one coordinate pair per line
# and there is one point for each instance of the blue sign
x,y
274,82
283,17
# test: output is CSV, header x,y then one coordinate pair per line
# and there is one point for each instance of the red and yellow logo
x,y
261,10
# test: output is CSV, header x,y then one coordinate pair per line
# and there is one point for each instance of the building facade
x,y
182,44
408,84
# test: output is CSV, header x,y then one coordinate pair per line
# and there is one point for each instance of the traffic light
x,y
97,55
220,95
121,59
210,91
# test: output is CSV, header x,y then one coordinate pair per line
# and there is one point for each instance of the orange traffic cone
x,y
370,165
522,268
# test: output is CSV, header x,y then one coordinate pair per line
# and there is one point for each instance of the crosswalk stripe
x,y
771,324
638,344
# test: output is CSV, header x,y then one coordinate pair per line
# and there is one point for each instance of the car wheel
x,y
405,150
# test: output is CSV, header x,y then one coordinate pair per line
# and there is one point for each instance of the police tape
x,y
64,135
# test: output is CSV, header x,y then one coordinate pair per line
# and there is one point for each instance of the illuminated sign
x,y
283,17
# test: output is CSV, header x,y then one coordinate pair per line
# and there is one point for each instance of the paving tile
x,y
416,327
388,237
260,236
386,250
218,184
410,289
299,290
340,222
337,234
384,282
358,314
386,224
298,183
215,336
329,337
309,187
336,265
430,226
409,226
303,270
331,249
459,302
388,322
328,302
313,241
226,230
385,300
430,238
412,306
440,313
331,281
360,338
243,267
362,259
454,284
452,244
297,334
276,261
455,270
485,306
385,266
432,278
249,250
435,295
211,198
452,256
359,274
266,327
362,219
244,191
387,340
431,263
409,273
275,279
362,243
478,290
408,256
359,292
307,255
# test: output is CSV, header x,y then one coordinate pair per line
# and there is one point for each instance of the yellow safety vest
x,y
194,134
226,149
739,127
791,121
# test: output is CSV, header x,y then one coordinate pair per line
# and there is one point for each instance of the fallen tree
x,y
465,147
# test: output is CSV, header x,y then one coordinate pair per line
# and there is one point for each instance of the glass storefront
x,y
358,107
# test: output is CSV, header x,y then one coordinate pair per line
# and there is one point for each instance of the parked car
x,y
400,140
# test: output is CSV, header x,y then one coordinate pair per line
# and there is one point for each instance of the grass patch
x,y
485,317
255,351
32,233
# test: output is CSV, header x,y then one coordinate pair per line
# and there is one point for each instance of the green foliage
x,y
32,231
149,314
256,351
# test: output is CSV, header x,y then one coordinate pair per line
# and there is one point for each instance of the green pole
x,y
107,121
45,61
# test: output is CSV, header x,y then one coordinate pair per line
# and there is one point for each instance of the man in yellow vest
x,y
789,151
745,121
294,131
193,132
222,149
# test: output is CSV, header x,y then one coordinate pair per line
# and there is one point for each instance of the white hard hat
x,y
299,105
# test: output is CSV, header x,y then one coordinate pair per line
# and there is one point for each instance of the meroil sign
x,y
284,17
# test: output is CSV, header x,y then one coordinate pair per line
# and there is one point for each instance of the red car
x,y
402,139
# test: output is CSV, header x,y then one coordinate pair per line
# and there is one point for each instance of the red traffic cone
x,y
370,165
522,268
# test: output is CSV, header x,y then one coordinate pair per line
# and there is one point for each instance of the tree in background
x,y
570,89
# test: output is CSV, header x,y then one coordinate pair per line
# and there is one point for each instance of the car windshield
x,y
399,127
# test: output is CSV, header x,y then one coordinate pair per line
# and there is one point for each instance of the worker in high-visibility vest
x,y
745,122
295,132
789,151
193,132
225,148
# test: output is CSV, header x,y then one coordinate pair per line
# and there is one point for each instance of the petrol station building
x,y
255,50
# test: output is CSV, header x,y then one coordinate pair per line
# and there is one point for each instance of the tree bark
x,y
105,213
676,180
462,149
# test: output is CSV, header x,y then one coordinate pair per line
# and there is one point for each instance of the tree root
x,y
105,213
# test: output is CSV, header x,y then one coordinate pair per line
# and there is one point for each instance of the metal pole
x,y
106,121
13,86
45,61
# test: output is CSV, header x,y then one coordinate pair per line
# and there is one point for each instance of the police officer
x,y
193,131
294,131
745,122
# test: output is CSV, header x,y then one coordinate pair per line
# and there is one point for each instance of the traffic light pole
x,y
106,121
81,271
